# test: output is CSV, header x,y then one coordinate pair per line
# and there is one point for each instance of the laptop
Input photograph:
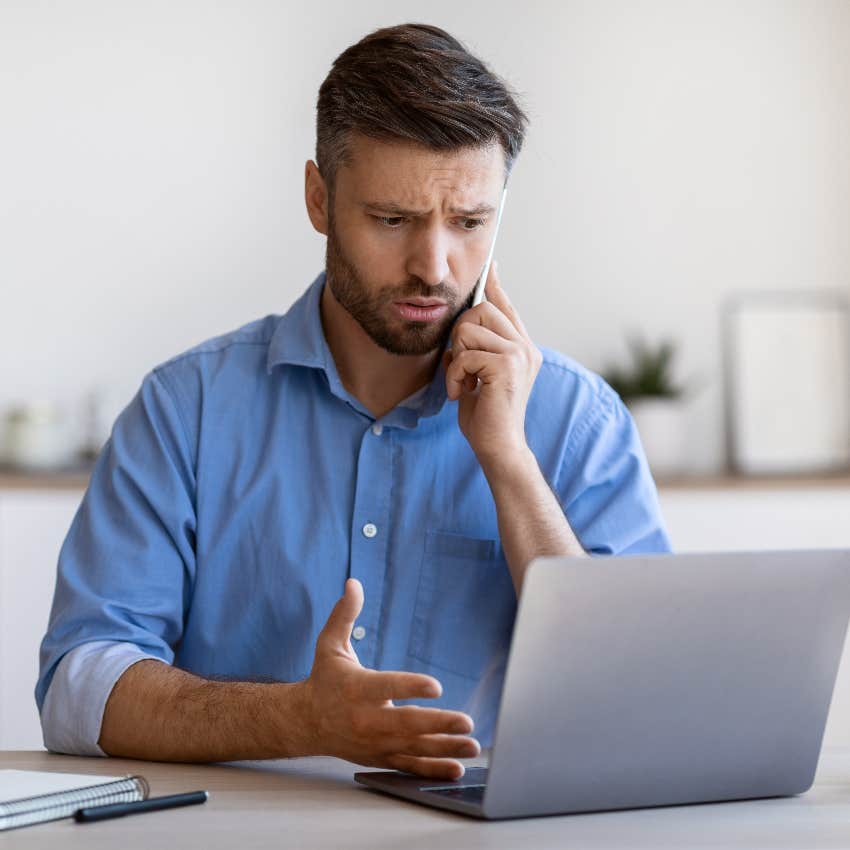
x,y
657,680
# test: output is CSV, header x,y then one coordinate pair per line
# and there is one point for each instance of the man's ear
x,y
316,197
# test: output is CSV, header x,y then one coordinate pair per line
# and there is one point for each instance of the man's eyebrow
x,y
481,209
397,209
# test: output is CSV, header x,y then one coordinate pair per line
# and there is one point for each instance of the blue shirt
x,y
243,484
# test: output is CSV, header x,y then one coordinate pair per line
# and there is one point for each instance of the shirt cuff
x,y
73,707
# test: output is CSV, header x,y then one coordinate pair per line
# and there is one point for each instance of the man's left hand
x,y
491,368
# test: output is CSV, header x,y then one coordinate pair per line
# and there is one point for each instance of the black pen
x,y
154,804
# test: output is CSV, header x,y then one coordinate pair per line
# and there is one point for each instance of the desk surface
x,y
304,803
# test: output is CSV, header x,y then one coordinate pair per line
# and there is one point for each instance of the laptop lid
x,y
656,680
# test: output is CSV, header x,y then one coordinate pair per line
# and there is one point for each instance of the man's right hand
x,y
349,711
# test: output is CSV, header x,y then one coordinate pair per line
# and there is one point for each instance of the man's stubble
x,y
370,309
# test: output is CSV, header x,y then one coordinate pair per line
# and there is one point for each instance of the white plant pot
x,y
36,438
661,425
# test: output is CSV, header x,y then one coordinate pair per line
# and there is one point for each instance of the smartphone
x,y
478,295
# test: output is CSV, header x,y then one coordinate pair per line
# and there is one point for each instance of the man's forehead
x,y
403,172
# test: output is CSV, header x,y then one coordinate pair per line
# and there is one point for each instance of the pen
x,y
154,804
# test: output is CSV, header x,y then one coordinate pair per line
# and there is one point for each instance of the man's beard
x,y
370,310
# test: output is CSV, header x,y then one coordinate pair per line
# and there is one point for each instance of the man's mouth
x,y
421,309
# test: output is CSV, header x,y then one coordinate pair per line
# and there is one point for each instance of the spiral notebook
x,y
28,796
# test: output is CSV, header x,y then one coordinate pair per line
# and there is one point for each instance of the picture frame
x,y
787,382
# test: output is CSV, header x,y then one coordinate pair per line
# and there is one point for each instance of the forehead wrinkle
x,y
387,177
459,191
463,200
483,209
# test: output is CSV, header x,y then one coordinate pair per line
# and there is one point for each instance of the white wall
x,y
151,159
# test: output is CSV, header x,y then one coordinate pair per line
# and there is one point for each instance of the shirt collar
x,y
299,340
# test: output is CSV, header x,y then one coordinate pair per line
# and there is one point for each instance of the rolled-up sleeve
x,y
126,568
606,486
72,712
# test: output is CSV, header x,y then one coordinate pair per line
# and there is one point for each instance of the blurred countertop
x,y
733,481
72,478
77,478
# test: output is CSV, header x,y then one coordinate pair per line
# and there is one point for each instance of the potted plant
x,y
655,401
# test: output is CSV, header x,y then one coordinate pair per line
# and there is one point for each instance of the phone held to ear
x,y
478,297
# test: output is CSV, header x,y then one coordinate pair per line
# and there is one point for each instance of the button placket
x,y
369,540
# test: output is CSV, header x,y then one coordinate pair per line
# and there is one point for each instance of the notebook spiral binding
x,y
64,803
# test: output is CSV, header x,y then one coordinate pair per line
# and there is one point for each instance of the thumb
x,y
337,629
447,359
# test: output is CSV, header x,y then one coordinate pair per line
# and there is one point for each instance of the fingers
x,y
499,298
359,721
469,335
440,746
429,767
387,685
482,364
337,629
490,316
405,720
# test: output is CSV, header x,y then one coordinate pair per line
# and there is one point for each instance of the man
x,y
378,441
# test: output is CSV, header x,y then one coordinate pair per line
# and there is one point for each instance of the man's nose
x,y
429,259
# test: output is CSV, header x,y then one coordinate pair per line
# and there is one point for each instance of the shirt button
x,y
377,429
359,633
370,530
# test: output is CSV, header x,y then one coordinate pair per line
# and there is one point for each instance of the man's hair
x,y
417,83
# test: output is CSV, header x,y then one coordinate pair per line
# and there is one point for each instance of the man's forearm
x,y
531,522
161,713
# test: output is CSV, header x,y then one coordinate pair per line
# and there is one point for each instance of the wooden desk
x,y
305,803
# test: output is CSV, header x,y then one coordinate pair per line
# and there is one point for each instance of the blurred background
x,y
153,155
679,220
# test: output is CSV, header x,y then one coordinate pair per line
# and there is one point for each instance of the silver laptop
x,y
658,680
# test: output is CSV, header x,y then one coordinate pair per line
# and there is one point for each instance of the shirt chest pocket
x,y
465,604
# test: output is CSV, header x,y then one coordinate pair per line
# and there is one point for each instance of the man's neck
x,y
376,378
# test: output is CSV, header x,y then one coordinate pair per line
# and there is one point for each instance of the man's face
x,y
411,227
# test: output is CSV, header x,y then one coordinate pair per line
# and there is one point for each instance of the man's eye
x,y
473,223
394,221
